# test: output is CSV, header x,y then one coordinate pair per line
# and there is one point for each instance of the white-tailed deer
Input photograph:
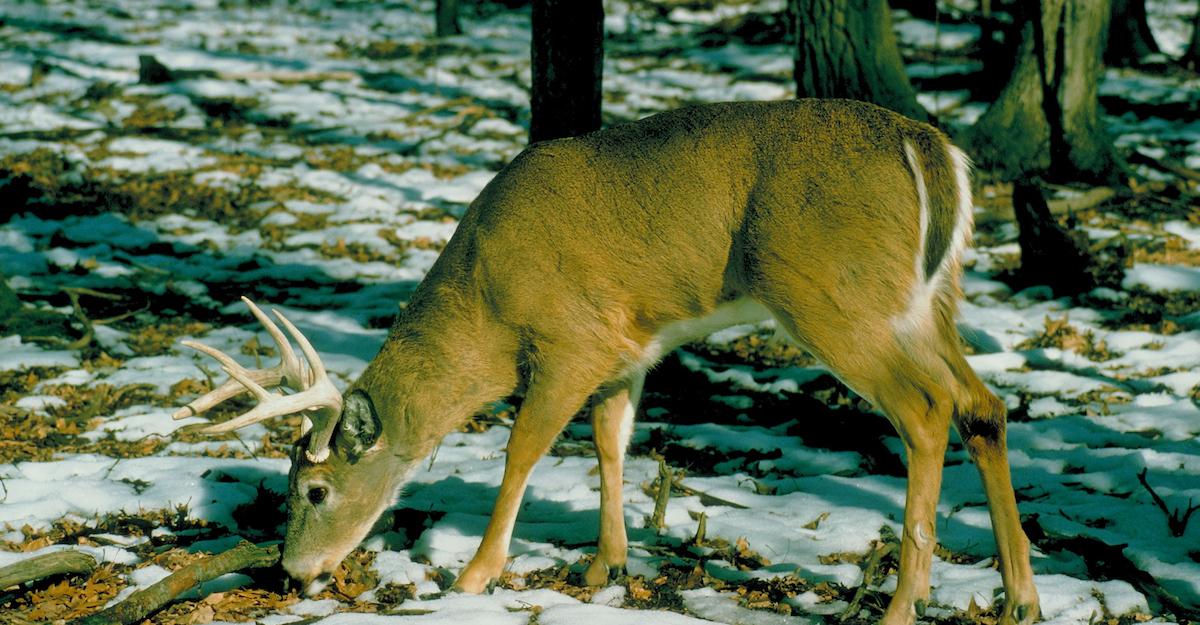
x,y
587,259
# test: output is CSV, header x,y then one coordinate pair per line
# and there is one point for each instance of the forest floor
x,y
316,156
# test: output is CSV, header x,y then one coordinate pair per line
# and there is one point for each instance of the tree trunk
x,y
1191,56
846,49
568,58
997,50
1047,119
10,305
924,9
447,18
1129,36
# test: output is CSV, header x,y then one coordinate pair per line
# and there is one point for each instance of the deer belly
x,y
676,333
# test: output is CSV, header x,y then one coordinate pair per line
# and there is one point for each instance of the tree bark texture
x,y
568,58
1129,36
1046,121
846,49
446,18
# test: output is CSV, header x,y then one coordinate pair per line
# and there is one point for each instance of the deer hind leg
x,y
920,410
555,394
866,353
981,422
612,425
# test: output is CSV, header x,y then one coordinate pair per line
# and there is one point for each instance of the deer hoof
x,y
1020,614
474,583
601,574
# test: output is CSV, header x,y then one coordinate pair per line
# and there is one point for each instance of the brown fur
x,y
582,250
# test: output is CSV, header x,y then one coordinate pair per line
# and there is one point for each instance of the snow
x,y
15,354
1163,277
421,138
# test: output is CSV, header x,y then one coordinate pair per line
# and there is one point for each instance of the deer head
x,y
343,475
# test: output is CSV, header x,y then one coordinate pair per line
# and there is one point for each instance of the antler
x,y
315,394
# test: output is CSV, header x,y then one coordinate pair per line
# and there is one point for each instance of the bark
x,y
46,565
1046,121
142,603
568,57
446,18
846,49
1129,36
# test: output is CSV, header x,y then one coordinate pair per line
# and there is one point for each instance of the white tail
x,y
587,259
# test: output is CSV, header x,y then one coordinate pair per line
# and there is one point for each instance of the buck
x,y
587,259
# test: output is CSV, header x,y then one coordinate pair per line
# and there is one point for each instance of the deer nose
x,y
312,576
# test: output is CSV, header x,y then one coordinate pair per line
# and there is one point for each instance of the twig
x,y
79,290
665,478
144,602
870,572
1142,158
1177,522
124,315
701,529
45,565
705,498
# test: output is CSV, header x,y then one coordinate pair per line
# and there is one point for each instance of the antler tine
x,y
318,398
289,363
240,374
230,366
278,405
231,388
310,354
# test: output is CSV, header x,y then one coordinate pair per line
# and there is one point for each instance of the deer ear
x,y
359,427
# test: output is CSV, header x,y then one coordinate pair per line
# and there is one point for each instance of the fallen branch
x,y
870,572
46,565
1177,521
1141,158
144,602
1001,211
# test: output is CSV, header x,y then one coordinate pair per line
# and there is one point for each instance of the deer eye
x,y
317,494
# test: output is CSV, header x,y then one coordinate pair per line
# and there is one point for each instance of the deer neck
x,y
443,361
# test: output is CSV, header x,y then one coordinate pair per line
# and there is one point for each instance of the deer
x,y
585,260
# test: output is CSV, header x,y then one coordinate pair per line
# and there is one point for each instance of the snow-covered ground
x,y
316,156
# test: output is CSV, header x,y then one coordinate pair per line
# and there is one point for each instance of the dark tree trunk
x,y
568,57
1060,257
997,50
10,305
1129,36
1191,56
1047,119
924,9
1050,254
846,49
447,18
